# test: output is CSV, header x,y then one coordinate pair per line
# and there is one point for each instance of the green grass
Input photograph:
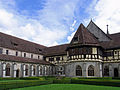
x,y
69,87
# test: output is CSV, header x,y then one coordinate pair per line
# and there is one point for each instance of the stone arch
x,y
91,70
78,70
106,71
7,68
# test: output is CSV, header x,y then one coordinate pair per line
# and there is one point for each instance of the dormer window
x,y
39,49
75,39
13,43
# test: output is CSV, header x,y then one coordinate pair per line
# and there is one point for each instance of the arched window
x,y
116,72
78,70
33,70
26,70
91,70
106,71
7,70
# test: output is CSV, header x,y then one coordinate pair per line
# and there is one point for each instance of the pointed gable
x,y
84,37
94,29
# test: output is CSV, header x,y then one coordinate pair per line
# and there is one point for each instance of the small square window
x,y
51,59
57,58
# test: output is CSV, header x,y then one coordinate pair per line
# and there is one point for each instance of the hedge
x,y
21,84
9,83
103,82
62,81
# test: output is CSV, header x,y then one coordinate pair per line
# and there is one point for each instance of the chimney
x,y
107,29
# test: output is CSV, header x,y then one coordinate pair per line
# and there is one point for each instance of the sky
x,y
54,22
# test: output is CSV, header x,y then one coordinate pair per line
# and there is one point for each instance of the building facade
x,y
91,53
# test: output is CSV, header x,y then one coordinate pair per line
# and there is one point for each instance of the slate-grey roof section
x,y
94,29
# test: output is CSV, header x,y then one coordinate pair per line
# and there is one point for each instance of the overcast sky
x,y
53,22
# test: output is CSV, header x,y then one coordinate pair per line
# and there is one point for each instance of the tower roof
x,y
84,37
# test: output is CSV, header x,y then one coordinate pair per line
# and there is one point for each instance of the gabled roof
x,y
84,37
11,42
56,50
114,43
94,29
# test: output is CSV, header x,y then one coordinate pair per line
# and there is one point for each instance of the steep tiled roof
x,y
56,50
21,59
85,37
114,43
11,42
94,29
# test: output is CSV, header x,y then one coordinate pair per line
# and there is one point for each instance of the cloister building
x,y
91,53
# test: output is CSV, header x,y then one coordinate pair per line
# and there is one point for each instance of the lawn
x,y
69,87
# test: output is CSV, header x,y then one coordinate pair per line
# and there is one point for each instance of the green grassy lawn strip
x,y
69,87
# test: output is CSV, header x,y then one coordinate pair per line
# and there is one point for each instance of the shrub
x,y
21,84
62,81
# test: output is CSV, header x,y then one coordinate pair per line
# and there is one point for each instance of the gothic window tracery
x,y
91,70
7,70
78,70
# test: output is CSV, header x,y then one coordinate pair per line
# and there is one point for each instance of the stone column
x,y
43,70
101,70
12,70
37,70
84,70
1,69
21,75
111,73
30,70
